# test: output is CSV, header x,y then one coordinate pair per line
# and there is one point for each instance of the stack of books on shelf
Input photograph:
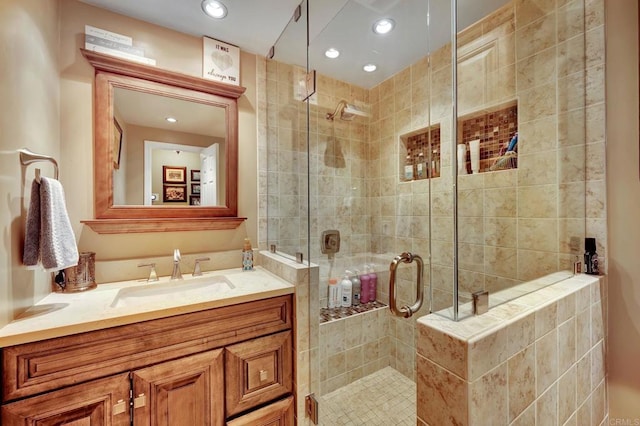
x,y
109,43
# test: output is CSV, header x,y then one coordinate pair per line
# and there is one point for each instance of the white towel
x,y
49,238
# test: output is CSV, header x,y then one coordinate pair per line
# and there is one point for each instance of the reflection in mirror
x,y
159,131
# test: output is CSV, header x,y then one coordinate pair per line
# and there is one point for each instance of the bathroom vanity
x,y
229,362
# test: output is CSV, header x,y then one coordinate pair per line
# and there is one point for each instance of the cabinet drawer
x,y
101,402
38,367
277,414
258,371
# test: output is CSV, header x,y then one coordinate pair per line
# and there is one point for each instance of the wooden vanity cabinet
x,y
173,371
92,403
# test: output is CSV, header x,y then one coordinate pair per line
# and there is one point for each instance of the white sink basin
x,y
190,289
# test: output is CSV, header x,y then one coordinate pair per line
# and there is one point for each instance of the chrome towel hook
x,y
406,311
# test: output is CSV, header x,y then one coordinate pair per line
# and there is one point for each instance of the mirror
x,y
153,175
159,133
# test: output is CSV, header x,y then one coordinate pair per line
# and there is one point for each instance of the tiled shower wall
x,y
537,360
515,225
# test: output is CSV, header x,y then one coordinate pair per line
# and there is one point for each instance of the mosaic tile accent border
x,y
331,314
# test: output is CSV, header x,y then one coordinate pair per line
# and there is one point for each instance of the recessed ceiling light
x,y
214,9
171,119
332,53
383,26
369,68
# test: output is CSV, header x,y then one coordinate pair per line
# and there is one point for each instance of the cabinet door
x,y
277,414
185,391
102,402
258,371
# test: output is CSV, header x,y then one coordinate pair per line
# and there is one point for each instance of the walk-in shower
x,y
375,156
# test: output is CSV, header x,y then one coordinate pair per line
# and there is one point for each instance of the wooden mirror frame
x,y
112,72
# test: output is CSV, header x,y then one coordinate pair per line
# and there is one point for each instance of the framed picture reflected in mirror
x,y
174,193
174,174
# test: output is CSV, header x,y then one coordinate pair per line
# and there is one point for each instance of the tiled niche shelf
x,y
421,147
331,314
494,127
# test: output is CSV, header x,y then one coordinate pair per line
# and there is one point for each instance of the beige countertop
x,y
107,306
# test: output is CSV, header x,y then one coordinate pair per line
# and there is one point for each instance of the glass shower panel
x,y
363,125
283,156
520,146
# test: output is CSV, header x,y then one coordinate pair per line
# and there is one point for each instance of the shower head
x,y
347,112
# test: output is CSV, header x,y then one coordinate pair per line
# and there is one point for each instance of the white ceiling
x,y
256,25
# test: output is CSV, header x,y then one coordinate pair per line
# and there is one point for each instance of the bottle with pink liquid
x,y
365,286
373,283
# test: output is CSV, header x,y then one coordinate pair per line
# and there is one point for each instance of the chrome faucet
x,y
176,274
153,276
197,271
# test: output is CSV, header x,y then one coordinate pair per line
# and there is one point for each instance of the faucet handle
x,y
153,276
197,272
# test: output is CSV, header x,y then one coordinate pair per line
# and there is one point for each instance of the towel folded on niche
x,y
49,237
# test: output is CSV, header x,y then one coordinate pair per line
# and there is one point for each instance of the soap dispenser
x,y
247,255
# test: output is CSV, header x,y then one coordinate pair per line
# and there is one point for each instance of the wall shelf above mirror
x,y
159,136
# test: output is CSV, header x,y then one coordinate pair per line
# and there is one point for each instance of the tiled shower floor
x,y
385,398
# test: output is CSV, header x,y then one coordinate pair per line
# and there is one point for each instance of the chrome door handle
x,y
406,311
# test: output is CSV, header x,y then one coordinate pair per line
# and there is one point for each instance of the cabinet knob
x,y
139,401
264,375
120,407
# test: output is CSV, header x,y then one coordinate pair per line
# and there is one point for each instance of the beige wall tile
x,y
572,91
546,319
583,332
570,20
489,398
521,334
527,418
500,202
566,395
538,234
547,407
598,367
571,200
442,396
522,381
500,231
599,404
501,261
546,361
566,345
538,201
584,413
487,353
537,169
571,127
536,70
528,11
540,102
533,264
535,36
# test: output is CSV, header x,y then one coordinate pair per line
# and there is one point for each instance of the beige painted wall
x,y
46,93
30,117
623,203
171,50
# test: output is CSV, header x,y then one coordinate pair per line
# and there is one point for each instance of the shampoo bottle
x,y
247,255
346,289
334,293
590,257
357,289
365,286
408,168
373,285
